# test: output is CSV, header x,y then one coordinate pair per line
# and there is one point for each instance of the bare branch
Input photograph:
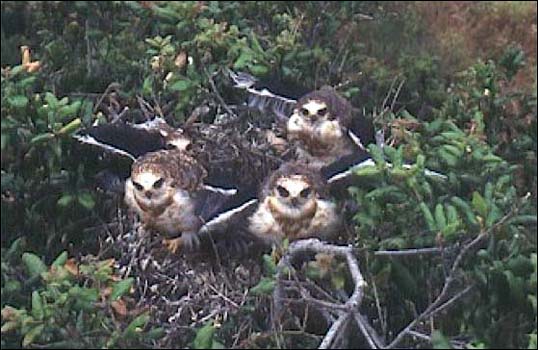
x,y
340,323
407,252
219,97
345,311
437,305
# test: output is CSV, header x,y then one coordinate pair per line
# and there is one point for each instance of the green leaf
x,y
523,219
51,100
86,200
377,154
204,336
18,101
439,341
34,266
479,204
428,216
65,200
136,325
533,341
465,209
269,264
71,127
32,334
258,69
42,138
217,345
155,333
243,60
69,110
85,297
147,86
180,85
264,287
494,215
9,326
451,214
440,218
338,281
60,260
121,288
369,170
37,305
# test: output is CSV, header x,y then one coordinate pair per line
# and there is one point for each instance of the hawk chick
x,y
293,205
163,190
325,129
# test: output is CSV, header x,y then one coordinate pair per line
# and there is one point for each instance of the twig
x,y
373,340
110,86
454,343
346,310
340,323
407,252
379,311
396,94
436,306
219,97
88,49
450,301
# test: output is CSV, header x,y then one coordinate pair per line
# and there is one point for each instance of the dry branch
x,y
345,311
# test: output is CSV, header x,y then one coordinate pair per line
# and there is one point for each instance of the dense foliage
x,y
474,123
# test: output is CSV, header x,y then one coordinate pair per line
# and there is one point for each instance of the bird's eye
x,y
159,183
306,192
304,112
322,112
282,191
138,186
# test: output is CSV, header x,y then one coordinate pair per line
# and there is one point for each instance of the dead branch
x,y
407,252
219,97
335,329
438,303
345,311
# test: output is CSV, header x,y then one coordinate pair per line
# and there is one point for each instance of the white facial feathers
x,y
294,186
315,108
146,179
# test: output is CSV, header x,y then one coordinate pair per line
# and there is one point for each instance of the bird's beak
x,y
149,194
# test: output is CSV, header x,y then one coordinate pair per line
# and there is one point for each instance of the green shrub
x,y
66,304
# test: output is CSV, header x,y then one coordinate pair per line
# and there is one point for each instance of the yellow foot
x,y
172,244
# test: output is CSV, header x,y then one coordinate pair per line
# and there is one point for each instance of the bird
x,y
178,180
322,127
326,130
164,189
294,204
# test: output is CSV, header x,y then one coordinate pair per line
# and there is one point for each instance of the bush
x,y
68,304
473,120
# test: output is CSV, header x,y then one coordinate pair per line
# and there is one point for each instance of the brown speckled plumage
x,y
186,172
338,107
294,216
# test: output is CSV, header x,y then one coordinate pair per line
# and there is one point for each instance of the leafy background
x,y
467,108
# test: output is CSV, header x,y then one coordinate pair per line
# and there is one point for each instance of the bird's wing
x,y
129,140
361,130
262,98
220,210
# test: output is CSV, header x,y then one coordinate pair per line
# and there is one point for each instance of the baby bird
x,y
293,205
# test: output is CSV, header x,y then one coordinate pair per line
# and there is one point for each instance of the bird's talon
x,y
173,244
